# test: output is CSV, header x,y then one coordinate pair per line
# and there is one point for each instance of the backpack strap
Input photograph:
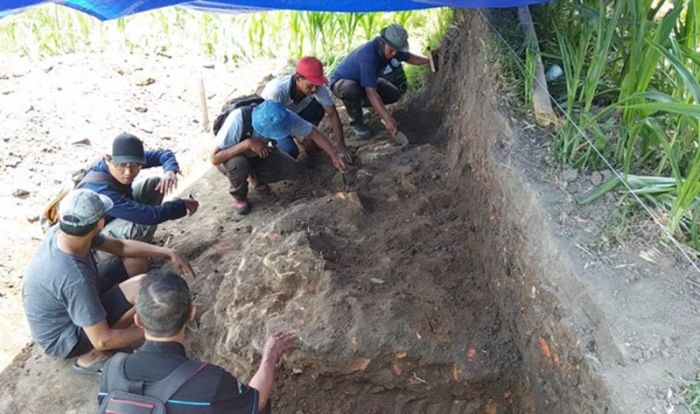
x,y
92,176
247,113
164,389
116,376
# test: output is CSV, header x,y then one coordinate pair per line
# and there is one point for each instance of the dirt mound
x,y
375,281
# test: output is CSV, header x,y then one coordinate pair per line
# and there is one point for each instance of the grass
x,y
51,30
631,70
692,397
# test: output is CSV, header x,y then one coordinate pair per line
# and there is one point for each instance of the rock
x,y
596,178
83,143
141,109
33,218
146,81
20,193
569,175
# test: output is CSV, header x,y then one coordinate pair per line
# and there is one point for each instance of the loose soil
x,y
450,276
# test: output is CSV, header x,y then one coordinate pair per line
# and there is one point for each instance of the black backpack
x,y
247,103
135,397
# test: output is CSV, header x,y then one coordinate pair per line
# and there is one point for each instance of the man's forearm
x,y
221,156
119,338
337,127
418,60
323,142
376,101
263,381
133,248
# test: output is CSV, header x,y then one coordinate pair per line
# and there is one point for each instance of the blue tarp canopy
x,y
112,9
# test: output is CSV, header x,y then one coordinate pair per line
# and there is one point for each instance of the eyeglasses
x,y
127,165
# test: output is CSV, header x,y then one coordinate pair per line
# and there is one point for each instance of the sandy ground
x,y
60,114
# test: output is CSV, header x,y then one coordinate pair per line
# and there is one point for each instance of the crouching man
x,y
74,307
246,146
163,308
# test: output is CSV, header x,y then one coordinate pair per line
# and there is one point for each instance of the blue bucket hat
x,y
272,120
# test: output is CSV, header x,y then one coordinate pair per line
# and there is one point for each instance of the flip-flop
x,y
94,369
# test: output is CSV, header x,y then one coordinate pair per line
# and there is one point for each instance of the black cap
x,y
127,148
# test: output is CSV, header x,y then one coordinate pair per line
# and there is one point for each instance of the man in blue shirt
x,y
363,78
138,206
245,145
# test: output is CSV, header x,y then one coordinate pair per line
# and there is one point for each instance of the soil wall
x,y
512,240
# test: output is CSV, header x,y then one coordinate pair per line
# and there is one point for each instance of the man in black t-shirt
x,y
163,308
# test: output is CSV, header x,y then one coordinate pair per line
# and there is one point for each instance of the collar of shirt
x,y
379,47
292,84
173,348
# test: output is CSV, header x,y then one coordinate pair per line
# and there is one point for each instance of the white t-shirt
x,y
280,90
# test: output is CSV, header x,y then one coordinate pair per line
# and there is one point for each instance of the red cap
x,y
311,69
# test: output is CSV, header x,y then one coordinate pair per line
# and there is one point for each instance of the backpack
x,y
136,397
246,102
49,215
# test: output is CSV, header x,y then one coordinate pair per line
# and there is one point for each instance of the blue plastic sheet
x,y
112,9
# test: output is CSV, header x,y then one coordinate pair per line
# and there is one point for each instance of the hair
x,y
79,231
163,303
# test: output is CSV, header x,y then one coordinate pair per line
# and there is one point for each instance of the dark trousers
x,y
277,166
390,88
313,113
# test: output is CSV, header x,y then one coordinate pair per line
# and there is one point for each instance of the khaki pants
x,y
143,191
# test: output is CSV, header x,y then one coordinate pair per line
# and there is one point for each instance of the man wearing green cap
x,y
246,145
371,76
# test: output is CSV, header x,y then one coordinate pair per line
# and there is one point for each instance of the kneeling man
x,y
75,307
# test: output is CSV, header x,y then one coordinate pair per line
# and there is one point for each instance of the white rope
x,y
651,213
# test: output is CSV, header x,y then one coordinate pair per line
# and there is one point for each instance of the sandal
x,y
259,187
93,369
241,207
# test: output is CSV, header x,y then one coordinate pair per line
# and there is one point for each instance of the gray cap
x,y
83,207
396,36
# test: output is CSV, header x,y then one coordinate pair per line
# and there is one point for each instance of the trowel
x,y
401,139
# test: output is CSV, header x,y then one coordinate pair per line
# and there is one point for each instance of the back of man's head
x,y
163,304
81,210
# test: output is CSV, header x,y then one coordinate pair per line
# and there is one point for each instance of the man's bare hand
x,y
277,345
181,264
259,147
344,154
339,163
168,183
391,126
191,205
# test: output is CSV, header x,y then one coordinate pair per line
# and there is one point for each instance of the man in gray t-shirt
x,y
304,93
240,152
74,307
